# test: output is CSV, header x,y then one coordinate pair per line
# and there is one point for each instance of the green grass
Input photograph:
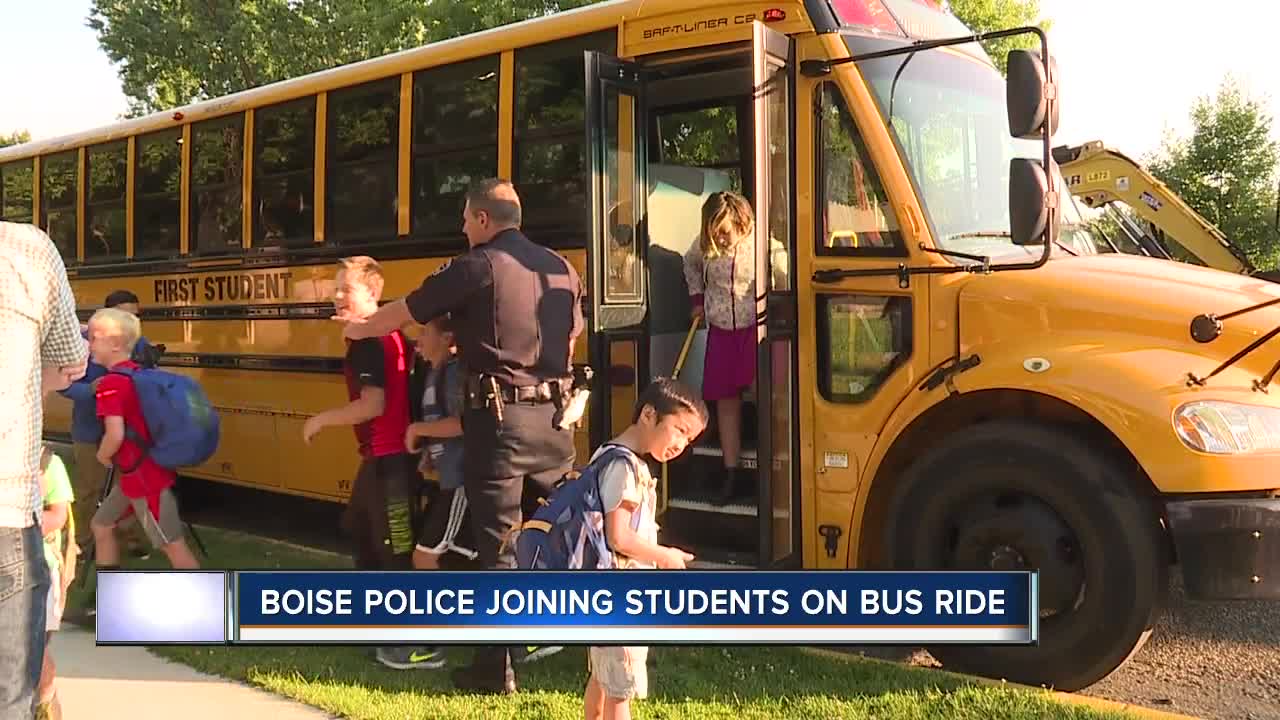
x,y
692,682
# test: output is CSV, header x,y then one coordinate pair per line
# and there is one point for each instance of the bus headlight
x,y
1227,428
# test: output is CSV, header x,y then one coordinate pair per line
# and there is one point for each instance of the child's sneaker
x,y
534,653
410,658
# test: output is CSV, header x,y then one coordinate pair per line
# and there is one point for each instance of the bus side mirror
x,y
1031,95
1033,209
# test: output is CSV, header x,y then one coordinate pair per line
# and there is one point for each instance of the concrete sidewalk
x,y
132,684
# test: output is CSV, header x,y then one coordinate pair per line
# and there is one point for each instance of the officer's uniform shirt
x,y
516,307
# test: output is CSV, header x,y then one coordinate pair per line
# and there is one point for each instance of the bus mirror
x,y
1031,210
1030,95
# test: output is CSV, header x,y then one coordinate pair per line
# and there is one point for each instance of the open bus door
x,y
773,98
635,268
618,179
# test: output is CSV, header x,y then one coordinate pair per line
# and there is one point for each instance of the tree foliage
x,y
1226,169
172,52
16,137
990,15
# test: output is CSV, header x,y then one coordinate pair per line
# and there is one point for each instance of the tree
x,y
172,52
17,137
1226,169
989,15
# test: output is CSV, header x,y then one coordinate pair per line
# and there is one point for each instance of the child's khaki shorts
x,y
622,672
160,530
54,603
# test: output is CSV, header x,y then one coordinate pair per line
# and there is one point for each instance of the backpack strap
x,y
453,405
130,434
614,451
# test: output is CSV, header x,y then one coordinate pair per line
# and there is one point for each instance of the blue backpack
x,y
567,532
183,425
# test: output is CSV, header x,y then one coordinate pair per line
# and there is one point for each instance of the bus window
x,y
862,339
59,193
550,165
106,167
361,163
455,143
157,211
15,194
284,155
857,218
217,185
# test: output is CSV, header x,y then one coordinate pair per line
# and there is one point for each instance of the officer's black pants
x,y
508,466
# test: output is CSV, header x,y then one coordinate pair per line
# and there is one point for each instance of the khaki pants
x,y
87,481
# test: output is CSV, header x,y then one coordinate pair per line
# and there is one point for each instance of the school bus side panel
x,y
262,345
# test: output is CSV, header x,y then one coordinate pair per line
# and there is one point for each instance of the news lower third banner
x,y
632,607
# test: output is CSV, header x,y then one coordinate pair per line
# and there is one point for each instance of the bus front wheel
x,y
1017,496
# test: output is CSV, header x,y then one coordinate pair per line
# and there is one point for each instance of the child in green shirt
x,y
59,553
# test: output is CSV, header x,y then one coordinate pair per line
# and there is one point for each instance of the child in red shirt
x,y
142,487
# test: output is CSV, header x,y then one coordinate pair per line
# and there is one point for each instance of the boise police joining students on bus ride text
x,y
517,311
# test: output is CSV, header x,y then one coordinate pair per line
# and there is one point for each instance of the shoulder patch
x,y
444,266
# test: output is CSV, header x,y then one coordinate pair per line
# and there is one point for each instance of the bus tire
x,y
1016,495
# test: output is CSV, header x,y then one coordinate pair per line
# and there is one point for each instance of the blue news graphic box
x,y
695,607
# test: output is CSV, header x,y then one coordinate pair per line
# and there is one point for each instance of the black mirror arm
x,y
818,68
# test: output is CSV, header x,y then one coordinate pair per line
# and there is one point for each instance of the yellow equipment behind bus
x,y
948,376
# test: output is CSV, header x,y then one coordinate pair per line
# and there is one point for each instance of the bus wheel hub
x,y
1005,557
1022,534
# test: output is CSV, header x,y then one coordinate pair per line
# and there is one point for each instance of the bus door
x,y
663,137
617,174
773,100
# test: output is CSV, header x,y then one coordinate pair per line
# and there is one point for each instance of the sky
x,y
1130,69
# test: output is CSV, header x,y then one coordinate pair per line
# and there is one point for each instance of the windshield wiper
x,y
1207,327
980,234
992,233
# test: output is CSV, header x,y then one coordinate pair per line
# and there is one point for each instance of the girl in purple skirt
x,y
721,275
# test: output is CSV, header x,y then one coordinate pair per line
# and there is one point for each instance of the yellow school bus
x,y
948,376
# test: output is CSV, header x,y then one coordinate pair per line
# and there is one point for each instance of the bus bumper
x,y
1229,548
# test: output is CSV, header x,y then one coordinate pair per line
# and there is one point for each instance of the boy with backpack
x,y
435,407
437,395
143,485
86,433
602,517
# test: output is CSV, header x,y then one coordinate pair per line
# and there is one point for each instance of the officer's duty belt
x,y
542,392
526,393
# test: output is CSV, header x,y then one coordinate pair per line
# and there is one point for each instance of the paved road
x,y
1219,661
1213,660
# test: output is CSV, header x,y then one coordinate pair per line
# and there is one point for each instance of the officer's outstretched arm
x,y
389,318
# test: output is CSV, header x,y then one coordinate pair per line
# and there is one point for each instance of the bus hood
x,y
1127,305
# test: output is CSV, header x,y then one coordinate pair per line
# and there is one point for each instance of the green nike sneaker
x,y
534,653
410,658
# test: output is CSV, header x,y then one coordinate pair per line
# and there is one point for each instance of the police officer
x,y
517,312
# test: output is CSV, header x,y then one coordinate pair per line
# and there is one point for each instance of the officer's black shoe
x,y
469,679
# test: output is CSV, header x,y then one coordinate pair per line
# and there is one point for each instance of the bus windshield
x,y
947,113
